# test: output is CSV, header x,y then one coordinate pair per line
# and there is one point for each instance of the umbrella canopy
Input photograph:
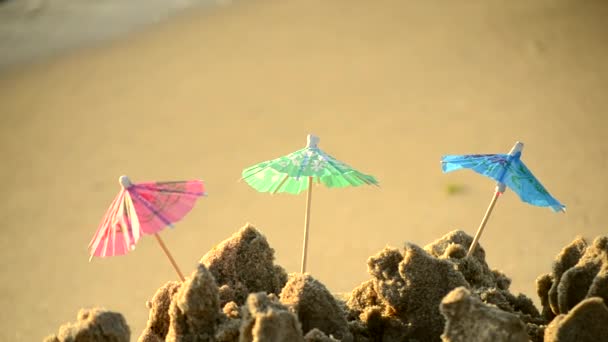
x,y
291,173
143,209
507,169
297,171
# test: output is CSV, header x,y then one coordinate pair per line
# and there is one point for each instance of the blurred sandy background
x,y
389,86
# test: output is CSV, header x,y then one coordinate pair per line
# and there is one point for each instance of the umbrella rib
x,y
137,226
360,177
169,182
329,160
260,169
364,180
121,225
105,242
280,184
170,191
108,217
150,207
131,217
125,234
263,166
108,234
303,165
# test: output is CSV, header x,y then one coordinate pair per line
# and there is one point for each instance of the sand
x,y
430,293
389,86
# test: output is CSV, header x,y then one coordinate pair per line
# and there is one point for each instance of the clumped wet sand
x,y
430,293
94,324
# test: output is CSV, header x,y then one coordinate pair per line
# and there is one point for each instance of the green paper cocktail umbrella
x,y
297,171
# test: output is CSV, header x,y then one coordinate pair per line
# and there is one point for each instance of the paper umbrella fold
x,y
144,209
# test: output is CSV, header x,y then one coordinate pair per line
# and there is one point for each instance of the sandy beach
x,y
389,86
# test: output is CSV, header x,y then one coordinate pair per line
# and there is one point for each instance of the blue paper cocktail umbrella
x,y
509,171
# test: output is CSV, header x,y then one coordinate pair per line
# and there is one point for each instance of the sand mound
x,y
195,310
454,246
587,321
266,319
579,271
406,289
243,264
414,294
315,307
158,320
94,325
316,335
468,319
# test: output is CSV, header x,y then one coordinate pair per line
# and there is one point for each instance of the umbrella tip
x,y
518,147
124,181
312,140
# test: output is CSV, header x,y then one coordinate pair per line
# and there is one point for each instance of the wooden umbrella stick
x,y
164,248
483,222
500,188
306,224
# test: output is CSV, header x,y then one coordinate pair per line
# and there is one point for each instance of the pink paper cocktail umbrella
x,y
144,209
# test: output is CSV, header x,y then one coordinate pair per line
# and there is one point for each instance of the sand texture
x,y
389,86
411,296
470,320
94,325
